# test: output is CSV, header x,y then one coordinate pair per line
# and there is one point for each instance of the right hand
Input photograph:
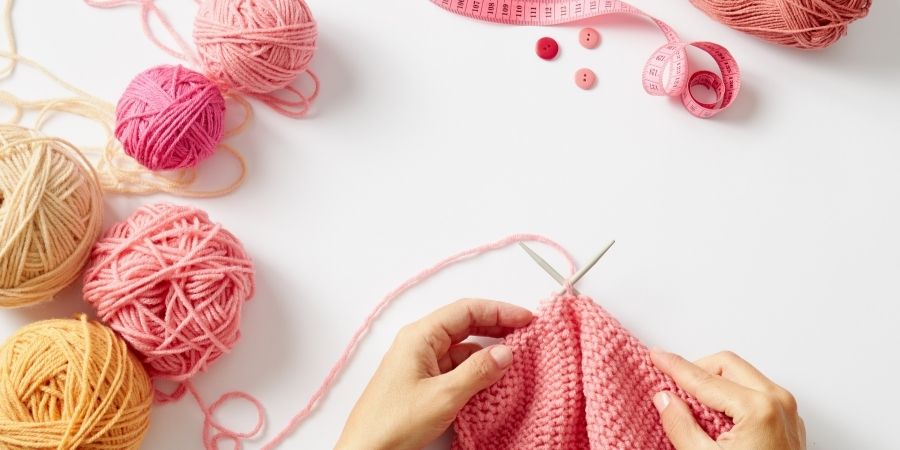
x,y
765,414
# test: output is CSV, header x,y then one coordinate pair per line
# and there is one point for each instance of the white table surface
x,y
772,230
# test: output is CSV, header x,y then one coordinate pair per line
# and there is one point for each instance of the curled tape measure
x,y
666,72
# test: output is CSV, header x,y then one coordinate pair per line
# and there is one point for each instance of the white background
x,y
772,230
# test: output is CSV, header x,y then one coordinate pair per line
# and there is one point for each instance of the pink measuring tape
x,y
666,72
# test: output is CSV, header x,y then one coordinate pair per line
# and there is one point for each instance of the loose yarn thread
x,y
172,284
253,47
806,24
214,432
71,384
117,173
50,215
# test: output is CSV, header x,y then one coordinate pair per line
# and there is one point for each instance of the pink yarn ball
x,y
807,24
172,284
170,117
254,46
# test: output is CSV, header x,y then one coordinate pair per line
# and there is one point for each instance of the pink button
x,y
546,48
589,38
585,78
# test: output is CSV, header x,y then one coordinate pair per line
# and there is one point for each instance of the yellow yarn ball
x,y
69,384
50,215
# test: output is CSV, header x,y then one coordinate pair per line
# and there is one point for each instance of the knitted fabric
x,y
578,381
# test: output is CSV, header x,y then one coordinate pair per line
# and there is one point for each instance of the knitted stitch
x,y
578,381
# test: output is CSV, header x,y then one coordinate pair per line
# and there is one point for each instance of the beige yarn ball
x,y
50,215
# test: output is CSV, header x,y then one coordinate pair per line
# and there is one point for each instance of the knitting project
x,y
579,381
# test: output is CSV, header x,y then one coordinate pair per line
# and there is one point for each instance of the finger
x,y
453,323
480,370
456,355
679,424
732,367
713,391
495,332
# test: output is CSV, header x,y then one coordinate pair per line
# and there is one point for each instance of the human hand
x,y
765,414
429,374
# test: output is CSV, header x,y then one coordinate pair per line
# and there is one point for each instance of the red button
x,y
589,38
547,48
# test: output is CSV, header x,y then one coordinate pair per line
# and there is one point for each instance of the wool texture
x,y
71,384
254,46
50,215
578,381
170,117
173,284
807,24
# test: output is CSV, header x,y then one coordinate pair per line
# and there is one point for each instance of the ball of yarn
x,y
171,283
50,215
71,384
254,46
170,117
808,24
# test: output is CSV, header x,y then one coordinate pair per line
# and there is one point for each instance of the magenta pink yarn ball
x,y
254,46
172,283
170,117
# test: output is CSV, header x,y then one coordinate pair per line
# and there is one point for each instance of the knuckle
x,y
676,423
787,400
728,356
767,408
406,332
703,380
464,302
483,369
431,341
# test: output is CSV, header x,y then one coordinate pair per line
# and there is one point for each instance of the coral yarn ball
x,y
254,46
172,284
808,24
71,384
50,215
170,117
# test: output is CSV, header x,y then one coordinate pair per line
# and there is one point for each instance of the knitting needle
x,y
555,275
544,265
591,264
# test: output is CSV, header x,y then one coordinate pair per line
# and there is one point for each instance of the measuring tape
x,y
666,72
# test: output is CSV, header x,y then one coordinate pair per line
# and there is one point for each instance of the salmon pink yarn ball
x,y
172,283
254,46
807,24
170,117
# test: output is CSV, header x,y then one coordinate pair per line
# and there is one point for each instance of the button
x,y
589,38
547,48
585,78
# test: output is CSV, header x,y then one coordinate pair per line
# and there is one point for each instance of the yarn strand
x,y
214,433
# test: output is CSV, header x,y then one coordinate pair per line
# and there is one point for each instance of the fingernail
x,y
660,401
502,355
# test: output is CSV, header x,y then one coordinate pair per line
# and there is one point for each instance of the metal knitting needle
x,y
555,275
544,265
591,264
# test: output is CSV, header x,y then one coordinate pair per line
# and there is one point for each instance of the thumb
x,y
679,423
480,370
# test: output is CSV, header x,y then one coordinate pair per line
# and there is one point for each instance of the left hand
x,y
429,374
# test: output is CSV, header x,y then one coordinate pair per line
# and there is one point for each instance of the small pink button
x,y
589,38
585,78
546,48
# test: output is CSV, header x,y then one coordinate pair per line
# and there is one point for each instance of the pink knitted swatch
x,y
579,381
